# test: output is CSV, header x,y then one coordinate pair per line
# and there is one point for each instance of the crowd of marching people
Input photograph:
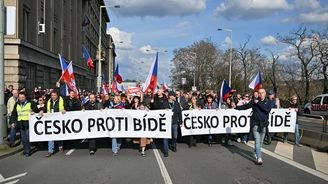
x,y
42,101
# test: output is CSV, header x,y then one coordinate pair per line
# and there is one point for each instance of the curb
x,y
13,152
313,139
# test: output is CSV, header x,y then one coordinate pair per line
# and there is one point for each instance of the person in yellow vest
x,y
19,115
54,104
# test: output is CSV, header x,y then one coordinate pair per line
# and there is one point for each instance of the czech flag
x,y
63,64
151,80
225,92
256,83
88,58
117,75
104,88
115,86
69,79
165,87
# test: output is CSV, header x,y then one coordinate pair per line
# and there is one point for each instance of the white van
x,y
318,106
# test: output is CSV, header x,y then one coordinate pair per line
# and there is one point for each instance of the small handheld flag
x,y
117,75
225,92
256,83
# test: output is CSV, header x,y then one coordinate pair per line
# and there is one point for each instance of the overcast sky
x,y
168,24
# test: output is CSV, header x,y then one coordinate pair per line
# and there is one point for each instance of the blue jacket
x,y
261,109
211,106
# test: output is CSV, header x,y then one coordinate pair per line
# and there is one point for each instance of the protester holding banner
x,y
227,104
160,101
109,104
54,104
117,142
136,102
259,121
293,104
246,98
72,103
19,116
176,121
41,104
92,104
143,142
210,104
193,105
125,101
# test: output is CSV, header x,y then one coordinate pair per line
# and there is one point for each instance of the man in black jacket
x,y
72,103
20,114
92,104
159,101
176,122
259,121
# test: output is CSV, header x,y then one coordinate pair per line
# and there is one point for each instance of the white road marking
x,y
12,182
165,174
293,163
70,152
320,161
1,177
13,177
284,149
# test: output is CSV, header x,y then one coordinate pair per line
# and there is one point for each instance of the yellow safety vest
x,y
61,104
23,111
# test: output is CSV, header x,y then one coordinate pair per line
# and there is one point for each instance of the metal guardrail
x,y
311,116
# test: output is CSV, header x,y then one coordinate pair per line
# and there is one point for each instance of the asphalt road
x,y
283,163
308,123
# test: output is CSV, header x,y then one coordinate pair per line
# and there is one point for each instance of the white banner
x,y
95,124
198,122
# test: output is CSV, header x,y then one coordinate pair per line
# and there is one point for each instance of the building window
x,y
30,77
54,36
25,24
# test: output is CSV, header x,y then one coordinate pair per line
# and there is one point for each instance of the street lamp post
x,y
99,46
194,86
3,127
230,31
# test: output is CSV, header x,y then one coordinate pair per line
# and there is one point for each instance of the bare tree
x,y
271,71
243,56
321,48
200,60
300,41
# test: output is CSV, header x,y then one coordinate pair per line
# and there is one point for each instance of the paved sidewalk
x,y
5,150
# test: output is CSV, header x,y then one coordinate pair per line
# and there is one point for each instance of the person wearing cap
x,y
176,122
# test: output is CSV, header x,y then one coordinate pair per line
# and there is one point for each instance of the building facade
x,y
31,57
